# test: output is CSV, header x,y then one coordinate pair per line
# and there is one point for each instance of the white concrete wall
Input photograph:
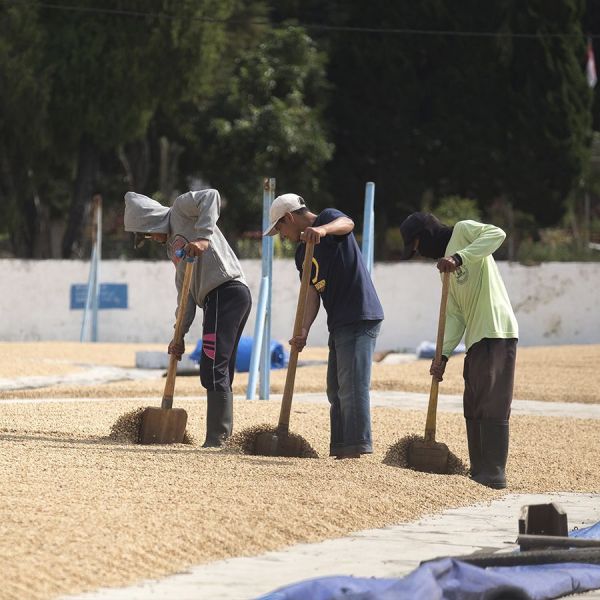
x,y
555,303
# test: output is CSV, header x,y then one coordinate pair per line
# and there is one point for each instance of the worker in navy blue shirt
x,y
341,281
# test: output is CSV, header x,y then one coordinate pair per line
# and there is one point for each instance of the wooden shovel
x,y
428,455
166,425
280,443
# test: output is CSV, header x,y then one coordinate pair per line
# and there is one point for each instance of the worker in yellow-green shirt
x,y
479,309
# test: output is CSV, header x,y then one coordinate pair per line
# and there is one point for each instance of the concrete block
x,y
160,360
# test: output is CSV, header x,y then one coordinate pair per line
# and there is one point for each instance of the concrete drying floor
x,y
390,552
553,374
78,512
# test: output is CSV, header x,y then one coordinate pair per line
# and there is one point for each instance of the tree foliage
x,y
479,116
157,95
266,122
452,209
23,114
548,119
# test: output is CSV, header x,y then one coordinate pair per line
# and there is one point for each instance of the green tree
x,y
478,116
110,74
547,107
85,84
266,121
23,135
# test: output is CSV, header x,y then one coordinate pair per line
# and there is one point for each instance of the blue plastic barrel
x,y
279,356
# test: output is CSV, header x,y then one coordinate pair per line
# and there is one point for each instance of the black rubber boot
x,y
474,443
219,418
494,453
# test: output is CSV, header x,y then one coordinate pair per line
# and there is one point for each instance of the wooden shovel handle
x,y
433,392
167,399
288,390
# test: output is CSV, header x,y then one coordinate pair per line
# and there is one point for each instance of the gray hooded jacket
x,y
193,215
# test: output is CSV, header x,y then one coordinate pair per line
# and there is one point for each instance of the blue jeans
x,y
351,350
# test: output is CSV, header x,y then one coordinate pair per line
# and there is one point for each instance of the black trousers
x,y
489,374
226,310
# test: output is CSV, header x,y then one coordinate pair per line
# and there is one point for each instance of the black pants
x,y
489,374
226,310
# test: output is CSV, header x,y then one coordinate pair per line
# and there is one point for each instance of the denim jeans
x,y
351,350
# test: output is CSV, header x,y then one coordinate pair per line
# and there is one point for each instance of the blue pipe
x,y
89,296
267,271
259,328
98,257
369,226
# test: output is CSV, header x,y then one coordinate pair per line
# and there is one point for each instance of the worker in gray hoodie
x,y
218,287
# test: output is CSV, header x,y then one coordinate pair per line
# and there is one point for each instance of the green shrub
x,y
452,209
393,240
555,245
283,248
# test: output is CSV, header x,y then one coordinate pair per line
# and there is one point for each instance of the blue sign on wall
x,y
112,295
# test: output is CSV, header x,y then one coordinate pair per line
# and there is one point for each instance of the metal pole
x,y
267,271
511,228
369,226
259,330
91,300
88,297
586,220
372,234
96,291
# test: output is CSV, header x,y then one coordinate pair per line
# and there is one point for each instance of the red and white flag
x,y
590,67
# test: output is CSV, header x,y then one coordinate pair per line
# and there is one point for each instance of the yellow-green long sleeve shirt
x,y
478,304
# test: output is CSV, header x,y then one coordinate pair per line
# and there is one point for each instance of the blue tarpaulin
x,y
450,579
427,350
591,533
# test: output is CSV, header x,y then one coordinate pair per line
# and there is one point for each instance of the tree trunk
x,y
135,158
168,167
42,247
84,188
15,193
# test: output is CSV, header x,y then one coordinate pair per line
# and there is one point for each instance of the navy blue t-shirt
x,y
340,276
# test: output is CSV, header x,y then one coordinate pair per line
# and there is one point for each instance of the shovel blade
x,y
266,444
429,457
278,444
163,426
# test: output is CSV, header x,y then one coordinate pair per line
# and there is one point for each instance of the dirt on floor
x,y
553,373
78,512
